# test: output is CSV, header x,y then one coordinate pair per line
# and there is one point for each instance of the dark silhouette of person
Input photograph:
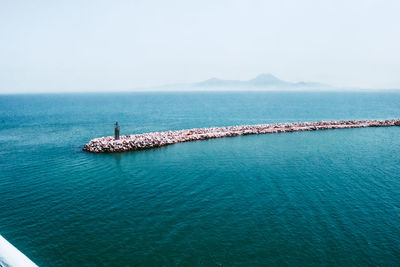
x,y
116,131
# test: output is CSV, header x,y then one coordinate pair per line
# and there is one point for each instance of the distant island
x,y
262,82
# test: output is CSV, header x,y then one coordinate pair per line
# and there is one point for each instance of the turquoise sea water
x,y
303,198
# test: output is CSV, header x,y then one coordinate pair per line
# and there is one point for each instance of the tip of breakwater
x,y
126,143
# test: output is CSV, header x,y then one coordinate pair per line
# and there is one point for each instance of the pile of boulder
x,y
157,139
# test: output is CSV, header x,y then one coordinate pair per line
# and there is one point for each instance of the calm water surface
x,y
327,197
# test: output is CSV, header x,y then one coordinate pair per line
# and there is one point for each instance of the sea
x,y
316,198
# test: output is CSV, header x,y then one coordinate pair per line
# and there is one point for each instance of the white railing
x,y
10,256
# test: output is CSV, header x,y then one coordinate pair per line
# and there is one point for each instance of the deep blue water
x,y
319,198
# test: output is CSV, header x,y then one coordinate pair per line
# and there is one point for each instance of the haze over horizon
x,y
74,46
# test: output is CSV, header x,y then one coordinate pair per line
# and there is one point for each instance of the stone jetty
x,y
157,139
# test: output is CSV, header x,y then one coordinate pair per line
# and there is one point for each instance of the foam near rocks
x,y
157,139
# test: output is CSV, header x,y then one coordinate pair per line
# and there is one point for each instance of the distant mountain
x,y
262,82
219,82
267,81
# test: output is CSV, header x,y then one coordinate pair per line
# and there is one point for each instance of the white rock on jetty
x,y
157,139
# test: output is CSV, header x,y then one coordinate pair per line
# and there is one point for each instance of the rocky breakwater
x,y
157,139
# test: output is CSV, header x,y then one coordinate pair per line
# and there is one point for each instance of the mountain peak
x,y
265,76
265,79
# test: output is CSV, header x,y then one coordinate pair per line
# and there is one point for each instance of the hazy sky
x,y
54,46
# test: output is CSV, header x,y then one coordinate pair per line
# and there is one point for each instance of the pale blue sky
x,y
57,46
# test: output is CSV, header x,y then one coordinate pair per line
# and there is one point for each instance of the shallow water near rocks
x,y
326,197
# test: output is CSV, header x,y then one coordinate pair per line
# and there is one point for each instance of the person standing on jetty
x,y
116,131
